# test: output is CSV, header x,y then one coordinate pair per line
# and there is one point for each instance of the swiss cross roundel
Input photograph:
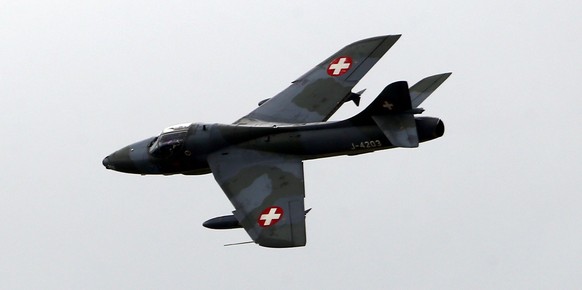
x,y
270,216
339,66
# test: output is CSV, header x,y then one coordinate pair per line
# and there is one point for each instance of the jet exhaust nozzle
x,y
429,128
222,223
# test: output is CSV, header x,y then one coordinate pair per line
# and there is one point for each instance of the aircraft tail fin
x,y
394,99
397,98
392,111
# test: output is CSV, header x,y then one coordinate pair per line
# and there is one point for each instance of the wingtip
x,y
446,75
441,75
393,36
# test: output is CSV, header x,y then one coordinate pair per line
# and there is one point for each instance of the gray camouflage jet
x,y
258,160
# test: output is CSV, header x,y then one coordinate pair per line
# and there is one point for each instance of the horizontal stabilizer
x,y
422,90
399,129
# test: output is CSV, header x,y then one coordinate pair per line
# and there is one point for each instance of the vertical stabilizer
x,y
392,112
394,99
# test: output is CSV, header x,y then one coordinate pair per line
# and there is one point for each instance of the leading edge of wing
x,y
267,191
317,94
384,43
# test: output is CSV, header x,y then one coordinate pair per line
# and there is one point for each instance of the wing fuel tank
x,y
222,223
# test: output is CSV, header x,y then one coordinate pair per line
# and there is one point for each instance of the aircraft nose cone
x,y
132,159
107,163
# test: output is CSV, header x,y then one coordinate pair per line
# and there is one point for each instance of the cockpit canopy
x,y
170,140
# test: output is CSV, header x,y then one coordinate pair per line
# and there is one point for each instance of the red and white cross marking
x,y
339,66
270,216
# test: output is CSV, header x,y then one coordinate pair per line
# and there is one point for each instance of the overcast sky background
x,y
496,203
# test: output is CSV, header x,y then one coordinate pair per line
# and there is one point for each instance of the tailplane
x,y
424,88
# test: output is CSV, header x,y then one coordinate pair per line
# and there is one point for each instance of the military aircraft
x,y
258,160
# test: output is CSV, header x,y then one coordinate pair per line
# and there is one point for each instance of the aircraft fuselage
x,y
307,141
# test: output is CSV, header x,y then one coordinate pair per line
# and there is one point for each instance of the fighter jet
x,y
258,160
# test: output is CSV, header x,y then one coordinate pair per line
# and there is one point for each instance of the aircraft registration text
x,y
366,144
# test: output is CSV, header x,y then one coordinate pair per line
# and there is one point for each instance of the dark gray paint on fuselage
x,y
309,141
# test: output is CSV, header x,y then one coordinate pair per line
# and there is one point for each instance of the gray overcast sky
x,y
494,204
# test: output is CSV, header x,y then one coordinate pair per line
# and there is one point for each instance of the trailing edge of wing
x,y
424,88
267,192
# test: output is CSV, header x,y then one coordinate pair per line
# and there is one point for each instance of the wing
x,y
316,95
267,192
